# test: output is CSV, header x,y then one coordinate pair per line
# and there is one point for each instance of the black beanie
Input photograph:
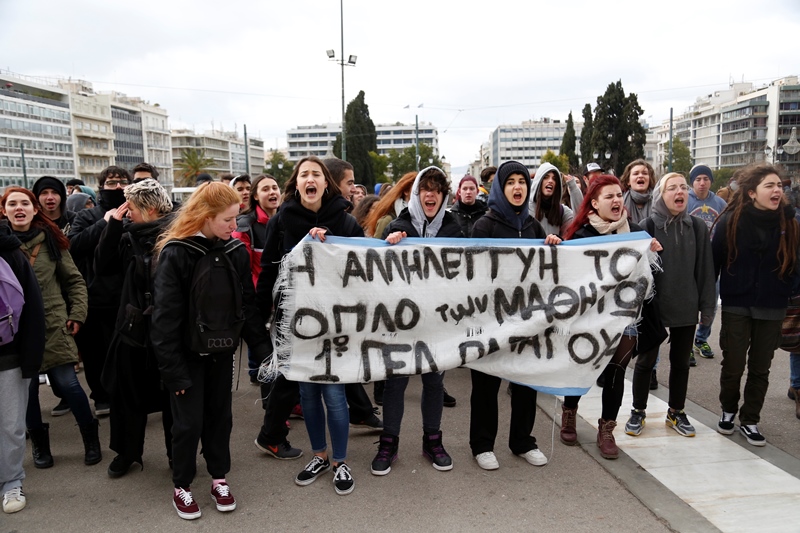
x,y
512,167
49,182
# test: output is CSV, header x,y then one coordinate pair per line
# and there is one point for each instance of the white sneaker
x,y
487,461
14,500
534,457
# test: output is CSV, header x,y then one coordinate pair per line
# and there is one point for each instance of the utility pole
x,y
416,143
669,164
24,170
246,153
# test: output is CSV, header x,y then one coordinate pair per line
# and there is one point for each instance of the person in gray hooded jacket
x,y
687,263
545,203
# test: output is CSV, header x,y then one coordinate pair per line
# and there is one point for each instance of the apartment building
x,y
527,142
226,150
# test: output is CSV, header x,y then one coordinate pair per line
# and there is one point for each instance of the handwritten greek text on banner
x,y
359,310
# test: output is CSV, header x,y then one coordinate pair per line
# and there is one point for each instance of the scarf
x,y
638,203
49,242
606,227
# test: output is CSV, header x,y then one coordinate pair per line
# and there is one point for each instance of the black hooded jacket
x,y
288,227
493,226
27,348
64,222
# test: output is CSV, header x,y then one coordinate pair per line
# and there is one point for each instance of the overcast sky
x,y
471,65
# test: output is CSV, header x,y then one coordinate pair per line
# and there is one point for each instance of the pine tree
x,y
568,143
616,128
361,139
586,135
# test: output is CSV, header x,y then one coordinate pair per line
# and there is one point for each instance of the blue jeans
x,y
311,396
794,370
64,381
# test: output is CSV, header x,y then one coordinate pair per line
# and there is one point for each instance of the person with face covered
x,y
686,262
508,218
545,203
468,207
426,217
95,336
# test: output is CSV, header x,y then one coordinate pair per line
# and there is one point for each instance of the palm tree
x,y
192,163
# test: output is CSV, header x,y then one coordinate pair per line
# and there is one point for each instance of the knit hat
x,y
202,178
49,182
511,167
700,170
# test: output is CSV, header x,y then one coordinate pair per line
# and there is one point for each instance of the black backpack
x,y
216,308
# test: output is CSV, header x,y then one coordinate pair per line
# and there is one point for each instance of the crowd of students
x,y
155,297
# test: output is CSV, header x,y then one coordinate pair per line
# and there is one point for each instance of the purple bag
x,y
12,300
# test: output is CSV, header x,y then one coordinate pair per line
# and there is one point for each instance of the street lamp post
x,y
351,62
770,154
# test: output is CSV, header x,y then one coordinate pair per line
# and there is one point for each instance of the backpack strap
x,y
34,254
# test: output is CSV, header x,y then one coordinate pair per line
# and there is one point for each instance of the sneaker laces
x,y
343,473
13,494
223,489
569,416
607,430
186,496
316,461
384,450
681,417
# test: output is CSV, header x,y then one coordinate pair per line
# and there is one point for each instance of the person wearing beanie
x,y
706,206
468,207
507,218
241,184
88,190
73,185
52,195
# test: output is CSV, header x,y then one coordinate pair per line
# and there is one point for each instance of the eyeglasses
x,y
673,188
112,183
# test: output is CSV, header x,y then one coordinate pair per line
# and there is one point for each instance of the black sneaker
x,y
725,424
343,480
678,421
61,409
120,466
433,449
283,450
309,474
753,435
387,454
447,400
371,422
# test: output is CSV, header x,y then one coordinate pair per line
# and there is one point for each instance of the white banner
x,y
360,310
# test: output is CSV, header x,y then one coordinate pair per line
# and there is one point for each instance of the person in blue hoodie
x,y
706,206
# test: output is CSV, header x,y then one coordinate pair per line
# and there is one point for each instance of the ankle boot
x,y
605,439
91,443
40,446
569,434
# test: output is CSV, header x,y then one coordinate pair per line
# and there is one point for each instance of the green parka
x,y
60,347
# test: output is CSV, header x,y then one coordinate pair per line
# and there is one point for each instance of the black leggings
x,y
680,348
614,375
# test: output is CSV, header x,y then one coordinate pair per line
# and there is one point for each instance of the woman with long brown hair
x,y
755,253
47,250
390,205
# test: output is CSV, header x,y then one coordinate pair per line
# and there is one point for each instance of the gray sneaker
x,y
678,421
635,423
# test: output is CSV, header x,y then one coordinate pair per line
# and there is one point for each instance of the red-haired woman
x,y
47,250
603,213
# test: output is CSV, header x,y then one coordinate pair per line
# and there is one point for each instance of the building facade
x,y
527,142
34,119
226,150
318,140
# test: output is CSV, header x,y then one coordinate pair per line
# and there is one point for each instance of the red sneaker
x,y
184,503
223,497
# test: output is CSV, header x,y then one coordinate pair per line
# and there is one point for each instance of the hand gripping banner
x,y
360,310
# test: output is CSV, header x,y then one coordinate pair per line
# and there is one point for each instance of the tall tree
x,y
681,157
586,135
278,167
616,128
561,162
193,162
381,165
361,140
721,178
568,143
405,161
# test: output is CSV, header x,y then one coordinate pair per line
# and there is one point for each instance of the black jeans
x,y
746,340
680,347
430,402
282,395
483,415
93,341
203,415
